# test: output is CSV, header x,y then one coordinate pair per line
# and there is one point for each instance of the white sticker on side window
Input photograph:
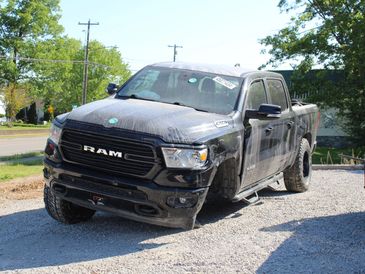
x,y
224,82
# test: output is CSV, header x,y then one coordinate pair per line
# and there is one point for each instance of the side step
x,y
252,190
253,199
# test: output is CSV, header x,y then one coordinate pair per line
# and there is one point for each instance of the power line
x,y
108,47
84,82
29,59
50,60
138,60
175,51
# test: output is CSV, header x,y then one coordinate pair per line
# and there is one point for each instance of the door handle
x,y
268,130
290,124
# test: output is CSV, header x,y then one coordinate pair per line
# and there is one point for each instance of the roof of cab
x,y
216,69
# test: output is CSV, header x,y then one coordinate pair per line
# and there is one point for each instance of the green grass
x,y
325,155
20,156
17,170
18,166
17,128
21,126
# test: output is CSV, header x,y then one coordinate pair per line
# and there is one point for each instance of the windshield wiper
x,y
135,96
183,105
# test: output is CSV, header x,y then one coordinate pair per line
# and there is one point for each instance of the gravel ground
x,y
322,231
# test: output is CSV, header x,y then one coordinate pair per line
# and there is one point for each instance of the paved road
x,y
319,231
11,146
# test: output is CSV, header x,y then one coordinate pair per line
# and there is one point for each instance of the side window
x,y
277,94
256,95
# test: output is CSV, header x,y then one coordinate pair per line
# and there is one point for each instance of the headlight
x,y
185,158
55,133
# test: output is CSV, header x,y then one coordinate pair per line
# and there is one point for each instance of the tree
x,y
15,98
59,83
329,33
33,53
106,66
24,23
54,80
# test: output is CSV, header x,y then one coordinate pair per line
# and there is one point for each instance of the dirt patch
x,y
22,188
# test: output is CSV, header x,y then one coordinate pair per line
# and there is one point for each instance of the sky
x,y
217,32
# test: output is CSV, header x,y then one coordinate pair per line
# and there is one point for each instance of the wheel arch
x,y
226,182
308,136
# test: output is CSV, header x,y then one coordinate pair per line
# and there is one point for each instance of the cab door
x,y
257,139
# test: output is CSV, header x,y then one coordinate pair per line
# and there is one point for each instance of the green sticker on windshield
x,y
113,121
192,80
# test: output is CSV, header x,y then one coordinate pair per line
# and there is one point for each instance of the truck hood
x,y
171,123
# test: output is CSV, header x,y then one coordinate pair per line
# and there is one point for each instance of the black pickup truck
x,y
174,136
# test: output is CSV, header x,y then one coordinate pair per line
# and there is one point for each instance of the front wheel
x,y
297,177
64,211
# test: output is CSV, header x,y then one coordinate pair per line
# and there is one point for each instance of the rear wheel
x,y
64,211
297,177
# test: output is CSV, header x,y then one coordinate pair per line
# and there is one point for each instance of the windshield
x,y
202,91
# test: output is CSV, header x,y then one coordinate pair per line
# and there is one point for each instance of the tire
x,y
64,211
297,177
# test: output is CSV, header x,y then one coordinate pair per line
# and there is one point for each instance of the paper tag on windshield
x,y
221,123
224,82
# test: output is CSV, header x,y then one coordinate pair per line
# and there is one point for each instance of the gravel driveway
x,y
322,231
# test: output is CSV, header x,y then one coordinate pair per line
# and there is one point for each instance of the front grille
x,y
138,158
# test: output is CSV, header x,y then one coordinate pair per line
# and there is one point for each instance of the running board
x,y
271,186
252,190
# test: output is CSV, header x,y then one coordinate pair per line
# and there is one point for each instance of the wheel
x,y
64,211
297,177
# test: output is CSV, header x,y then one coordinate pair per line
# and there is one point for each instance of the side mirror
x,y
112,88
265,112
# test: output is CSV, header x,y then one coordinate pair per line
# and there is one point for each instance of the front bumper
x,y
135,199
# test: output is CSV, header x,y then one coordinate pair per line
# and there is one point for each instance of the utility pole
x,y
86,61
175,51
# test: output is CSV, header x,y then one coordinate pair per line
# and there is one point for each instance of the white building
x,y
2,108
